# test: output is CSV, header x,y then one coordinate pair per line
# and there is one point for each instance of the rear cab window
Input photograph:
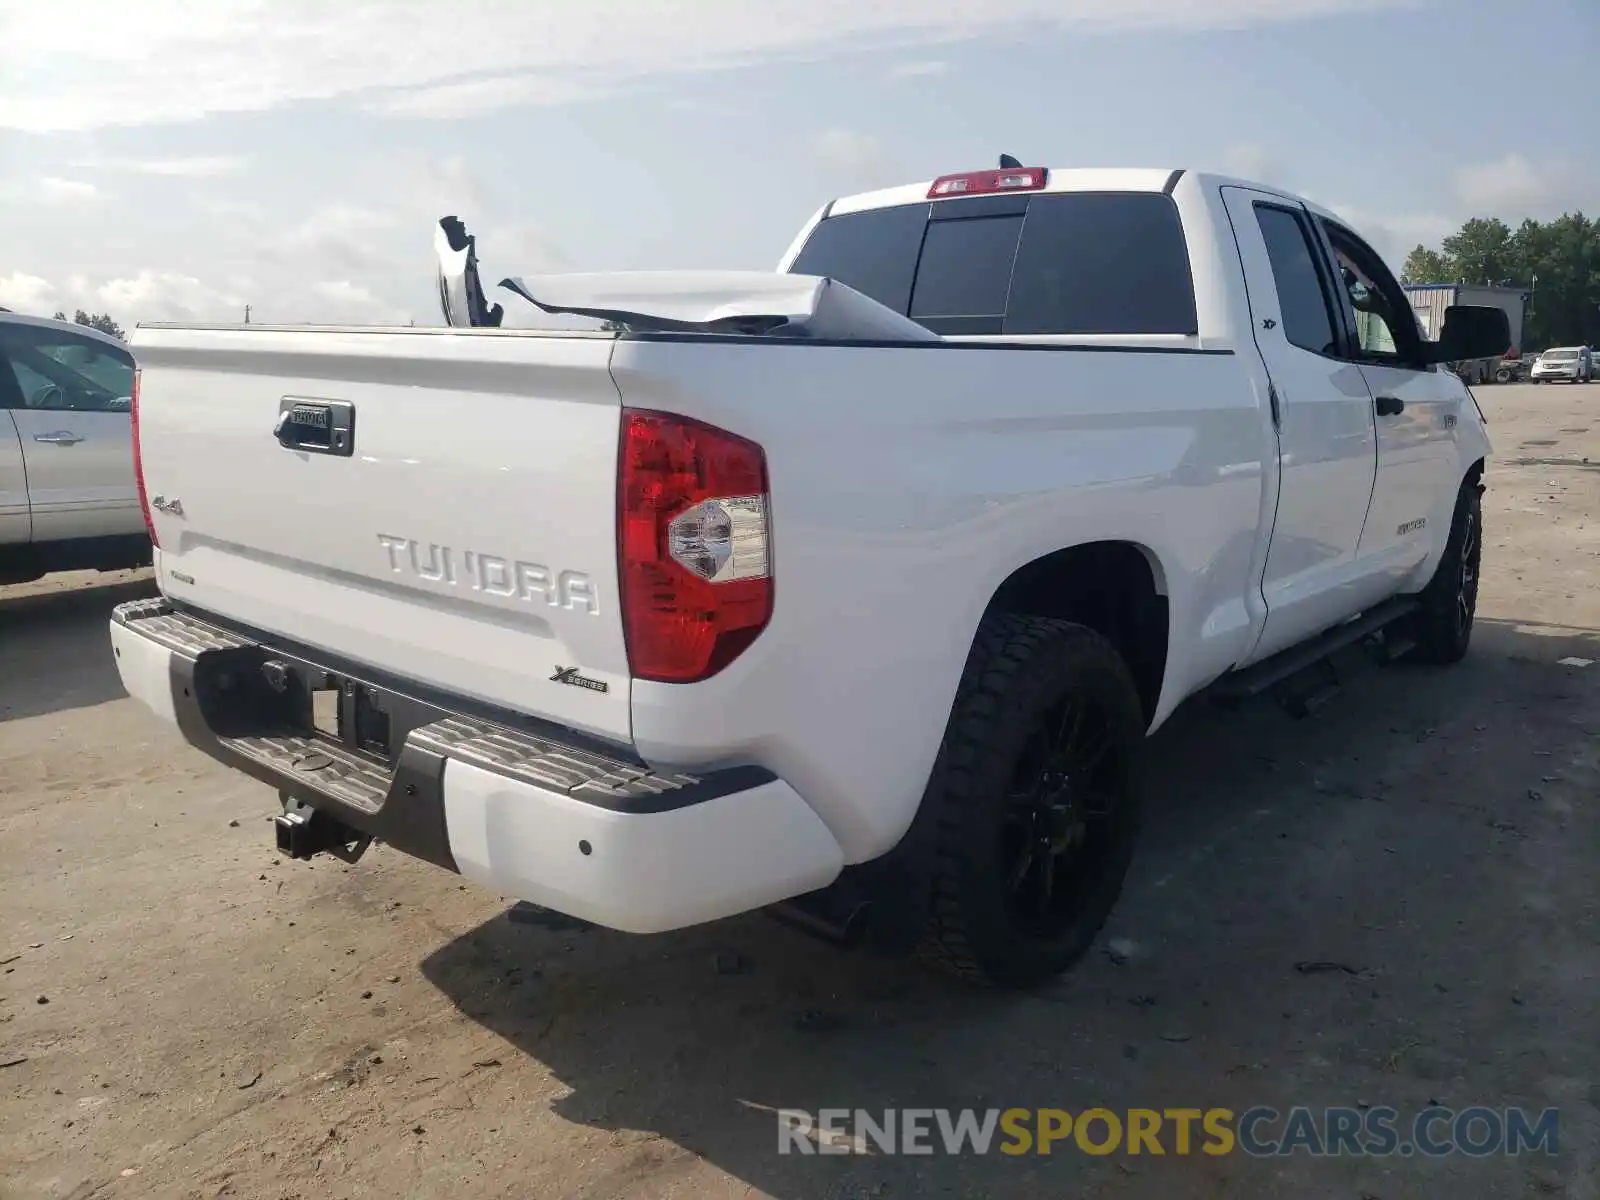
x,y
1066,263
874,252
965,274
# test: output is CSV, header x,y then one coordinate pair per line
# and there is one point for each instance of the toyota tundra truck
x,y
850,592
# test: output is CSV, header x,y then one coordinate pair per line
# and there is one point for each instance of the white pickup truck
x,y
850,592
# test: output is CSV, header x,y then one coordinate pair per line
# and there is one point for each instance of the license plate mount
x,y
353,714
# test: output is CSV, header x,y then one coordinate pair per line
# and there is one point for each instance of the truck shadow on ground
x,y
1321,911
55,653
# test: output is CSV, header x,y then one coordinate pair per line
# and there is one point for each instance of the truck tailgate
x,y
460,532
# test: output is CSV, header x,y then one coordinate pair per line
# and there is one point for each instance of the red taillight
x,y
979,183
138,462
693,543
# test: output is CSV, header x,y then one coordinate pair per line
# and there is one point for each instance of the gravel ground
x,y
183,1015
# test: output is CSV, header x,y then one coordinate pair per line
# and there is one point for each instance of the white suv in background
x,y
1575,364
68,500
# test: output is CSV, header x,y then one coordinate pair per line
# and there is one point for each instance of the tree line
x,y
100,321
1557,262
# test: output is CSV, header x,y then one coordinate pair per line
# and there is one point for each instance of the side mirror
x,y
1470,331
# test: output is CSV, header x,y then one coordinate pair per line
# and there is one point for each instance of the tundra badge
x,y
491,574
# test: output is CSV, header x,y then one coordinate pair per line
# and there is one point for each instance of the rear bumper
x,y
554,820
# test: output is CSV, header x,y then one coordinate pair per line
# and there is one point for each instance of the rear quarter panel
x,y
907,484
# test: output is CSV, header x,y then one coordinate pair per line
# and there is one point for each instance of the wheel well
x,y
1111,587
1475,473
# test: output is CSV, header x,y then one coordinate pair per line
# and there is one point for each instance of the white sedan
x,y
1575,364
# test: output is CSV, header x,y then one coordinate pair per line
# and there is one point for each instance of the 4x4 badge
x,y
570,676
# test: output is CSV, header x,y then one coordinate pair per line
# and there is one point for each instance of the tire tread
x,y
1006,655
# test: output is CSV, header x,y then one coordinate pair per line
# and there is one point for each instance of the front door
x,y
1416,407
1314,576
71,408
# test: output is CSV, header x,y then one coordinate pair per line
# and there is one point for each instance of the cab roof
x,y
15,318
1082,179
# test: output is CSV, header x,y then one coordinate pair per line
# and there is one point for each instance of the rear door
x,y
1417,409
1327,442
440,506
70,405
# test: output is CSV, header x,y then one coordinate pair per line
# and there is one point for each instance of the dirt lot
x,y
181,1014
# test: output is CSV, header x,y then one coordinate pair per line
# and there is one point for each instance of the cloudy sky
x,y
173,159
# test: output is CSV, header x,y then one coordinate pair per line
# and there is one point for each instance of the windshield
x,y
1560,355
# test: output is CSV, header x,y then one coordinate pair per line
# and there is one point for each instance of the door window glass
x,y
1302,300
1386,325
54,369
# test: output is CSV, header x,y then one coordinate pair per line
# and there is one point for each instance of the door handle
x,y
61,437
316,426
1390,406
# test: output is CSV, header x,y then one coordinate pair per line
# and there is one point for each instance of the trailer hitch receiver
x,y
304,832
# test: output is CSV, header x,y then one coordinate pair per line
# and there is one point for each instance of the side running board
x,y
1259,677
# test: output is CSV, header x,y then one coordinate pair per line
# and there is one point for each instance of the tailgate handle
x,y
316,426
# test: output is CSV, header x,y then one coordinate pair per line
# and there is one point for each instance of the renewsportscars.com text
x,y
1435,1132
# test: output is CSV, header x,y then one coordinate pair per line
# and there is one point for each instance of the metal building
x,y
1431,299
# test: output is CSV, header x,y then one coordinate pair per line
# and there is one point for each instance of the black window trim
x,y
1353,351
1344,313
967,208
1321,263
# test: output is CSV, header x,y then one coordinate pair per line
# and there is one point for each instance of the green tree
x,y
1557,261
100,321
1425,266
1481,251
1562,261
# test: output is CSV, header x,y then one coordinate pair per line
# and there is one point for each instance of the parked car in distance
x,y
850,590
68,500
1575,364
